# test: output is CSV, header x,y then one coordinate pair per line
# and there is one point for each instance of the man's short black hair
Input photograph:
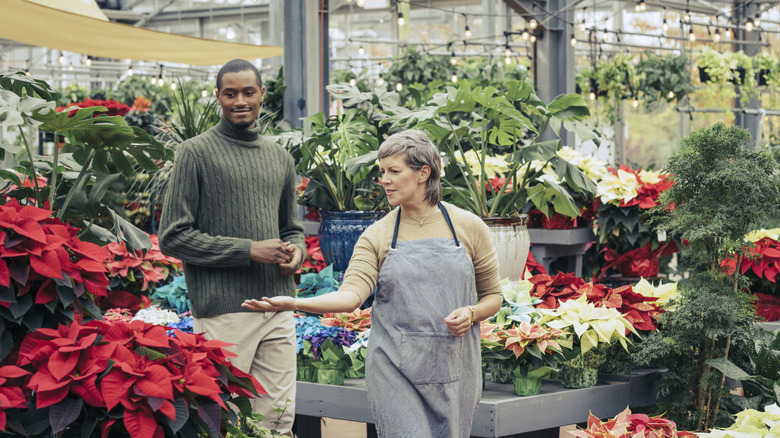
x,y
235,66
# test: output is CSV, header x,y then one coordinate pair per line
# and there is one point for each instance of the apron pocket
x,y
430,357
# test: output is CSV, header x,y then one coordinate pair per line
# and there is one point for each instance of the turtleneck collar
x,y
237,132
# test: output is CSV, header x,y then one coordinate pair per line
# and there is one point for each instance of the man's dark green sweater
x,y
229,187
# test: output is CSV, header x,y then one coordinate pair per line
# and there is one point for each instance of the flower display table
x,y
547,245
500,412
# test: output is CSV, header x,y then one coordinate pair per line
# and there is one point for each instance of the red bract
x,y
641,311
114,108
357,321
11,394
36,250
152,265
314,261
763,260
628,425
134,368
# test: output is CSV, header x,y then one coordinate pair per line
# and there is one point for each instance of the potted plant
x,y
594,330
663,78
628,424
721,192
535,350
760,264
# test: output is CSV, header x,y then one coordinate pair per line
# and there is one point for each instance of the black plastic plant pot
x,y
704,77
761,77
739,77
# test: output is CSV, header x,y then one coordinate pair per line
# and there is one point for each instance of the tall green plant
x,y
721,191
105,148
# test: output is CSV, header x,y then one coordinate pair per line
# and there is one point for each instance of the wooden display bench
x,y
547,245
500,412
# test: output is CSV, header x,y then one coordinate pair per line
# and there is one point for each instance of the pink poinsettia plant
x,y
130,379
134,275
358,320
628,425
522,348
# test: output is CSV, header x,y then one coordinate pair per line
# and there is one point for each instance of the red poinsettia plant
x,y
760,263
129,379
628,425
638,309
314,261
134,275
625,196
47,274
113,107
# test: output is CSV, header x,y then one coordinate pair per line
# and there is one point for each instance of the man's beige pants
x,y
265,345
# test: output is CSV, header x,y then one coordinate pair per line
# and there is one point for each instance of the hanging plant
x,y
663,78
611,81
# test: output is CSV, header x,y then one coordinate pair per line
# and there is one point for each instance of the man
x,y
230,215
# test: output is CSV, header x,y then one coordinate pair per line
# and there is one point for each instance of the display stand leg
x,y
371,431
308,427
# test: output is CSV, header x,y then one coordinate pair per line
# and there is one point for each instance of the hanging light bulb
x,y
160,81
532,23
507,50
204,93
380,80
635,103
716,37
525,34
642,6
153,81
728,33
352,82
757,20
130,70
454,77
467,32
638,6
173,85
687,16
361,50
582,25
453,58
749,26
89,61
507,60
399,86
533,38
573,40
592,95
665,25
401,20
70,67
360,3
670,95
691,35
62,59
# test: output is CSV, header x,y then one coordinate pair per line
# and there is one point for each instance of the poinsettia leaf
x,y
88,425
211,414
140,422
64,413
182,414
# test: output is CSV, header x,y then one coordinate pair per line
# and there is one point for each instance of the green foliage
x,y
721,192
708,320
173,294
273,101
612,81
660,74
318,283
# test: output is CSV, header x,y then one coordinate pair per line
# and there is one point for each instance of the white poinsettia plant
x,y
751,423
664,291
592,326
518,305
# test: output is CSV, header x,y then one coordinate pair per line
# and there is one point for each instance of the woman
x,y
431,262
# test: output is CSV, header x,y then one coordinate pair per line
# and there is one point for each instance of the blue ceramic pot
x,y
339,232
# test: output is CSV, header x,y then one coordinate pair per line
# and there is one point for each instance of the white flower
x,y
614,188
156,315
494,165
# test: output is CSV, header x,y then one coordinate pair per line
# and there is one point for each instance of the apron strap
x,y
443,212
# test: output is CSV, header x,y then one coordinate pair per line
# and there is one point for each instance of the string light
x,y
160,81
507,51
749,26
716,37
380,81
665,25
361,50
640,6
525,35
173,85
592,95
454,77
130,70
89,61
533,23
573,40
691,35
757,20
401,20
352,82
582,25
670,95
728,33
453,58
359,3
687,16
153,80
204,93
62,59
399,86
533,38
635,103
467,32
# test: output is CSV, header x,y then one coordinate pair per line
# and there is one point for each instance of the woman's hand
x,y
459,321
273,304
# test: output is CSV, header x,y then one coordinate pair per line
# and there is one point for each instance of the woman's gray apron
x,y
422,381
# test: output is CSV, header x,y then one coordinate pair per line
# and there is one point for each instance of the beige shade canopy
x,y
42,26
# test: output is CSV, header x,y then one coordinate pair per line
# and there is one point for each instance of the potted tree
x,y
721,191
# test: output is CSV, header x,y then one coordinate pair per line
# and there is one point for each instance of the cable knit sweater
x,y
229,187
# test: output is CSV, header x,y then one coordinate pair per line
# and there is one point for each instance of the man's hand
x,y
273,304
272,251
292,266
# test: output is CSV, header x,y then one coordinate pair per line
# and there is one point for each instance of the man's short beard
x,y
244,124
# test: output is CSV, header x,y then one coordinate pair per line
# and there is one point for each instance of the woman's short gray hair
x,y
418,151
